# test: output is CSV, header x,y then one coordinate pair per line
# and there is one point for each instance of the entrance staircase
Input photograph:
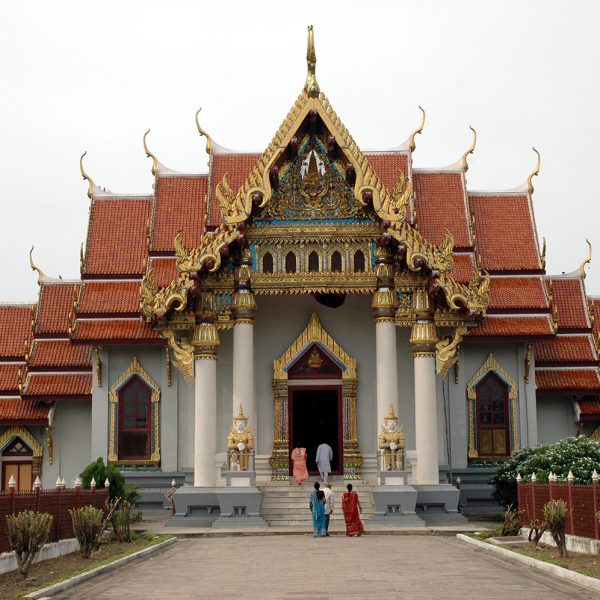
x,y
285,504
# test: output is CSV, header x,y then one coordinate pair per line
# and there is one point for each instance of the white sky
x,y
94,76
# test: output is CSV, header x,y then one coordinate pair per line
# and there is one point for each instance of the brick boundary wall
x,y
56,502
583,502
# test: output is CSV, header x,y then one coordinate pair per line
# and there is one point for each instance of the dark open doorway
x,y
315,418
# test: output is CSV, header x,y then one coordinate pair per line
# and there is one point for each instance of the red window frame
x,y
492,412
123,401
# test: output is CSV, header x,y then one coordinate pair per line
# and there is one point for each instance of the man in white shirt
x,y
329,502
324,458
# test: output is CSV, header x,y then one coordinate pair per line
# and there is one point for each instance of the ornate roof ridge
x,y
108,195
18,304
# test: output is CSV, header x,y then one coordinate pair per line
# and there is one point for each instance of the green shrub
x,y
100,472
580,455
27,533
556,513
88,526
512,521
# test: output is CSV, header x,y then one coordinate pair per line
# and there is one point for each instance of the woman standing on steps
x,y
351,509
300,472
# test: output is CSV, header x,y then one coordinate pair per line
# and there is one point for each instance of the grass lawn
x,y
57,569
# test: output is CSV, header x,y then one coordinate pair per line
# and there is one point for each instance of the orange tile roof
x,y
105,297
59,353
569,296
179,206
566,380
9,378
51,385
441,206
16,410
517,292
116,242
237,167
464,265
164,270
505,244
589,406
513,326
387,166
114,330
15,328
565,348
55,306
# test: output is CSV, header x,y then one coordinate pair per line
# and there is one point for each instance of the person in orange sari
x,y
351,509
300,471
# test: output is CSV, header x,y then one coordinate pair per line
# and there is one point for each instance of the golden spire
x,y
91,185
586,261
241,416
417,131
203,133
150,155
534,173
463,161
311,86
392,414
36,268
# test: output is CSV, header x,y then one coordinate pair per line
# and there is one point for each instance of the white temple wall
x,y
556,418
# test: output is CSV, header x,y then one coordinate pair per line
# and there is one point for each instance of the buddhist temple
x,y
311,293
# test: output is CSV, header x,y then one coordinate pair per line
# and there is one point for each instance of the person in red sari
x,y
299,471
351,509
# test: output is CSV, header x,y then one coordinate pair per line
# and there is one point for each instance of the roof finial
x,y
586,261
417,131
36,268
464,163
202,132
311,86
150,155
534,173
91,185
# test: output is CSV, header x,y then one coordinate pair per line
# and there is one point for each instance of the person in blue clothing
x,y
317,509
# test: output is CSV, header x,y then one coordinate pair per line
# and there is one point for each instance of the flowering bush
x,y
580,455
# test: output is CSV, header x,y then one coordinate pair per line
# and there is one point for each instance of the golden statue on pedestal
x,y
240,442
391,441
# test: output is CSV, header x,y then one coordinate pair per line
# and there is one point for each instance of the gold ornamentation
x,y
81,258
492,365
470,150
417,131
135,368
527,363
206,341
457,370
36,448
203,133
168,365
240,442
447,352
587,261
391,442
91,184
393,208
50,444
150,155
41,275
543,254
98,364
534,173
311,87
183,354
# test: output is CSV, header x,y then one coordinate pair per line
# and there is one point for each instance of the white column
x,y
386,365
205,422
243,370
426,428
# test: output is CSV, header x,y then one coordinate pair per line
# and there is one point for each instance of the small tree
x,y
512,521
536,531
556,513
100,473
27,533
88,524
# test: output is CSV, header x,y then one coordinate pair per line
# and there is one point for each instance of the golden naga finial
x,y
90,181
150,155
534,173
36,268
470,150
586,261
311,86
203,133
417,131
543,254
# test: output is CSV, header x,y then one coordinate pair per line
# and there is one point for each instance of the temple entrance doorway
x,y
315,417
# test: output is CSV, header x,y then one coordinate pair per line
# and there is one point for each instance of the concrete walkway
x,y
303,568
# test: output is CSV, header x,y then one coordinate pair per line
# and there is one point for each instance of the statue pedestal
x,y
395,505
393,477
240,478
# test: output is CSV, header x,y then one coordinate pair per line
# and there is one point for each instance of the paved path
x,y
303,568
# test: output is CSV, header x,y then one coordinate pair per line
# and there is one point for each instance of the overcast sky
x,y
94,76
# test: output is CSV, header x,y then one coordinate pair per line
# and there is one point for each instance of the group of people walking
x,y
322,501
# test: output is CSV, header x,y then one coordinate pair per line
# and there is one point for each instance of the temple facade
x,y
310,293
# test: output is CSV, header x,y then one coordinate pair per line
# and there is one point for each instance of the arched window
x,y
267,263
17,462
135,420
290,262
313,261
336,262
492,417
359,261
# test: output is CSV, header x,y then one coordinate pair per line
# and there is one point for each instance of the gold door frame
x,y
314,334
